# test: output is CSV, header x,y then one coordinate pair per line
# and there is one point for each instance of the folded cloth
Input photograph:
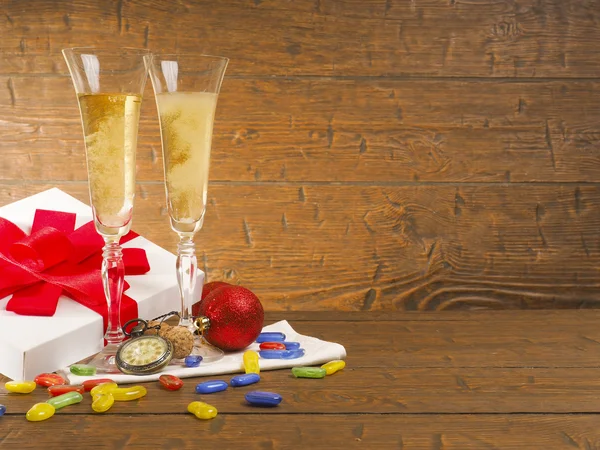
x,y
316,352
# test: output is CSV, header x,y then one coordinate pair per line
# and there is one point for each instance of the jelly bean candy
x,y
70,398
333,366
83,370
251,364
104,388
40,411
127,394
49,379
270,336
103,403
291,345
2,410
282,354
244,380
170,382
309,372
272,346
20,387
209,387
88,385
260,398
61,389
202,410
192,360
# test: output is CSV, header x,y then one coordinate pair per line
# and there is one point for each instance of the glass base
x,y
209,352
104,362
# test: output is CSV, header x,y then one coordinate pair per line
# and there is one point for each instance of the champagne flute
x,y
109,86
186,88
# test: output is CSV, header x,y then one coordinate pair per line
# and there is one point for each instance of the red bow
x,y
56,259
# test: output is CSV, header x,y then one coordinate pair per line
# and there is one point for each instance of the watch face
x,y
144,354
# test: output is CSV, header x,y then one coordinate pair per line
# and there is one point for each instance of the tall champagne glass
x,y
109,86
186,88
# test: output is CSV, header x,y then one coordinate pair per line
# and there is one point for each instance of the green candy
x,y
83,370
70,398
309,372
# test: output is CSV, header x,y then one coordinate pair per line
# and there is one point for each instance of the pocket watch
x,y
143,354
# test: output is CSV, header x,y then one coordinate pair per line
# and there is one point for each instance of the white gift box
x,y
31,345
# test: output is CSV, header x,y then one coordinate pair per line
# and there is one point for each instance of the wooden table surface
x,y
452,380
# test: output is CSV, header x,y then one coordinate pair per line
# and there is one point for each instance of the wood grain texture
x,y
310,247
455,432
386,397
336,131
551,38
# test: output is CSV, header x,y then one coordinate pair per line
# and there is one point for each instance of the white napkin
x,y
316,352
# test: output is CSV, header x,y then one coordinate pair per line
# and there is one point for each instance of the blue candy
x,y
291,345
208,387
260,398
270,336
2,410
193,360
245,379
281,354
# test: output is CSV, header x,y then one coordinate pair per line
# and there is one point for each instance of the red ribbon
x,y
56,259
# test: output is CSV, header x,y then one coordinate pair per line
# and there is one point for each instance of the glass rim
x,y
108,49
188,54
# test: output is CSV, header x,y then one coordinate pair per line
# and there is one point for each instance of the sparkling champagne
x,y
186,120
110,128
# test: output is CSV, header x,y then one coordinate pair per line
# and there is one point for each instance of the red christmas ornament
x,y
207,289
235,317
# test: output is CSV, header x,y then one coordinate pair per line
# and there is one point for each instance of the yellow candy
x,y
103,402
333,366
251,364
202,410
40,411
127,394
103,388
20,387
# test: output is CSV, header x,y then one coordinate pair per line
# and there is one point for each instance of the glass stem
x,y
113,277
186,277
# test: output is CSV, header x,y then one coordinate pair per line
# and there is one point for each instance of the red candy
x,y
272,346
61,389
88,385
49,379
170,382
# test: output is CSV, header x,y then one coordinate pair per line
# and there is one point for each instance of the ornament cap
x,y
201,323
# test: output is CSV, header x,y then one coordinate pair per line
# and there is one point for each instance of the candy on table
x,y
192,360
88,385
127,394
103,402
261,398
83,370
202,410
281,354
70,398
333,366
244,380
104,388
291,345
309,372
209,387
270,336
61,389
20,387
272,346
170,382
40,411
251,364
2,410
49,379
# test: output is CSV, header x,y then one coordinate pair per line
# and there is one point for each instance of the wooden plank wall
x,y
372,154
